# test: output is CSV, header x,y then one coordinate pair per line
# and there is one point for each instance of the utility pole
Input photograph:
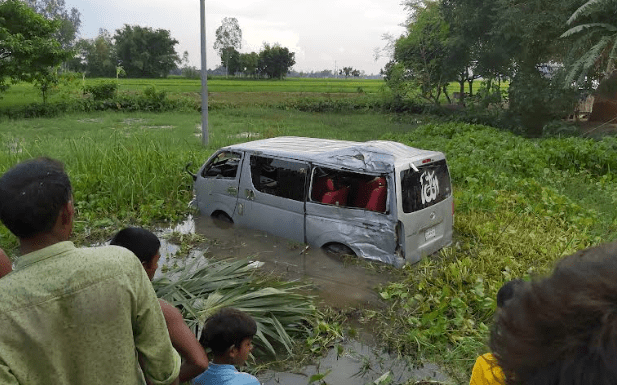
x,y
204,77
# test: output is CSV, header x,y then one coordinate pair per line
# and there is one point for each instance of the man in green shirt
x,y
69,315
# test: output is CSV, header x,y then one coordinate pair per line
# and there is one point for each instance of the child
x,y
562,329
486,371
145,246
229,333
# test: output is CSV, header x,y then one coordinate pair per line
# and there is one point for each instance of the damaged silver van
x,y
381,200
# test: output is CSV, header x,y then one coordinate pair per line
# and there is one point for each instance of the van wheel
x,y
222,216
338,249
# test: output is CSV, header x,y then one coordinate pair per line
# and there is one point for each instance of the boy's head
x,y
143,243
562,329
229,333
507,291
32,196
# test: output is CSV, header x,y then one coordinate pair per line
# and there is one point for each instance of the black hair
x,y
32,193
229,327
506,292
143,243
562,329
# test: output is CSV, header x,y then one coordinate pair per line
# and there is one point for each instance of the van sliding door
x,y
272,195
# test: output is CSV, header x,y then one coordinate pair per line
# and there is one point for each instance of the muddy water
x,y
335,283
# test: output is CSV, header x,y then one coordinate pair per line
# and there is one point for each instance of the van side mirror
x,y
186,168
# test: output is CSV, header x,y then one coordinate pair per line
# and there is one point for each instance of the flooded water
x,y
357,364
335,283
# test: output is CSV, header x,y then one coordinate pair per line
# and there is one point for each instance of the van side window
x,y
279,177
349,189
224,165
426,187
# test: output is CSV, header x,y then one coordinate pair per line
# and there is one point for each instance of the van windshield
x,y
425,187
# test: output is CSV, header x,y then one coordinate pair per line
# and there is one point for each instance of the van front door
x,y
272,195
216,187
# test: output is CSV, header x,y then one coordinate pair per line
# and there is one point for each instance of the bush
x,y
560,128
102,90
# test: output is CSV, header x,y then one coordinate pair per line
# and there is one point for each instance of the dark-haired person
x,y
562,329
229,334
486,371
5,264
72,315
145,245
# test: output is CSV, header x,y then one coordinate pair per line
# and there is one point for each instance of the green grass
x,y
26,93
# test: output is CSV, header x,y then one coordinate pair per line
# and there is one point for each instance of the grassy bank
x,y
520,203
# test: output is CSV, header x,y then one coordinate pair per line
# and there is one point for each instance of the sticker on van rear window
x,y
430,186
427,185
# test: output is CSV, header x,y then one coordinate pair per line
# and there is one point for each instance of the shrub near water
x,y
513,219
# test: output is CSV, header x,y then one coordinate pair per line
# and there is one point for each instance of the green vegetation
x,y
281,313
554,53
520,204
24,93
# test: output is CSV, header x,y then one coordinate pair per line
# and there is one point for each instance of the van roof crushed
x,y
375,156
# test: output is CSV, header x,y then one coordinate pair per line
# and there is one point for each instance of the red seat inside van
x,y
334,195
372,195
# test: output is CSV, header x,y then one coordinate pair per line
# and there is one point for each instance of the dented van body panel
x,y
385,201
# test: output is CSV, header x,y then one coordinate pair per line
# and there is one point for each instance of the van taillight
x,y
428,160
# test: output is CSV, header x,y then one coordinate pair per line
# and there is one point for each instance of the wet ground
x,y
336,282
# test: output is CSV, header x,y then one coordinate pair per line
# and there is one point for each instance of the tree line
x,y
552,53
273,61
39,40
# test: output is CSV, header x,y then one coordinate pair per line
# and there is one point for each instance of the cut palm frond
x,y
280,311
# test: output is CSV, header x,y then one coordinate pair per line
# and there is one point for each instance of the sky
x,y
324,34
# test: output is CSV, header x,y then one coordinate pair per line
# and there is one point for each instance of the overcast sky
x,y
322,33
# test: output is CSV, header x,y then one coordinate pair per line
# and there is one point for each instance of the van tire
x,y
222,216
337,249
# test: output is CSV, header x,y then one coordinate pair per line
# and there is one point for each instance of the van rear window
x,y
425,187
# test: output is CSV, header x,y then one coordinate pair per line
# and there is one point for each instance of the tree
x,y
530,31
473,51
594,51
593,55
70,21
346,71
29,50
233,60
228,35
249,63
424,51
99,55
275,61
144,52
